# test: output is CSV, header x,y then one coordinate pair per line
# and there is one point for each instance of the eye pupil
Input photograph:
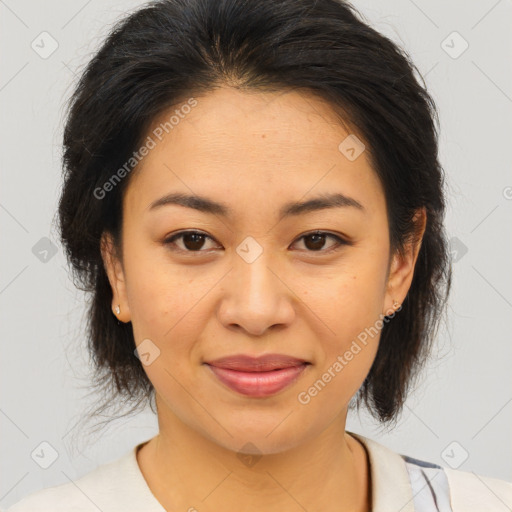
x,y
318,241
196,239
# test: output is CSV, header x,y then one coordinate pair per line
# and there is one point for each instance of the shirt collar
x,y
389,480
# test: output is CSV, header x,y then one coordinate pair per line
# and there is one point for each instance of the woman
x,y
254,199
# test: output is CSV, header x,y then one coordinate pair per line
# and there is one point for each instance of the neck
x,y
187,471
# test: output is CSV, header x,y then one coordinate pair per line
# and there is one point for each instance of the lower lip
x,y
258,384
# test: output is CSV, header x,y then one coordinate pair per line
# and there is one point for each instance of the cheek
x,y
166,300
348,344
349,305
156,295
349,299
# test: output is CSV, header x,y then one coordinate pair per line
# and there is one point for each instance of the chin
x,y
256,436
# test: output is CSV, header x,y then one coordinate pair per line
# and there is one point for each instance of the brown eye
x,y
315,242
193,241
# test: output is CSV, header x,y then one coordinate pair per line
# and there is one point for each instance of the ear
x,y
114,269
402,266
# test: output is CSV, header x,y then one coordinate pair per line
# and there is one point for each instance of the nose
x,y
256,296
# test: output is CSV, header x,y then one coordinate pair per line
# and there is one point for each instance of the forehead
x,y
267,146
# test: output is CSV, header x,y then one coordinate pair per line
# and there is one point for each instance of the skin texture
x,y
255,152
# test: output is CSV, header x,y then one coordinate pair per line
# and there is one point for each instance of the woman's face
x,y
259,281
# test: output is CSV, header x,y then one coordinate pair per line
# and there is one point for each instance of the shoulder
x,y
470,491
55,499
455,490
416,485
92,492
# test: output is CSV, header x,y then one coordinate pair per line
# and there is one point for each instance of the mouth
x,y
257,376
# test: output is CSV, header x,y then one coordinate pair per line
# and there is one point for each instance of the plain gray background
x,y
460,415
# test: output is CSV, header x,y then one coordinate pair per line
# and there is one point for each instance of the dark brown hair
x,y
173,49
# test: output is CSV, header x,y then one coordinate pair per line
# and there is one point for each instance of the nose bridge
x,y
256,298
253,268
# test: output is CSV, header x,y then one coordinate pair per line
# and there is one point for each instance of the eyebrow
x,y
206,205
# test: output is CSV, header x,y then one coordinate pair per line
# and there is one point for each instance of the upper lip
x,y
265,363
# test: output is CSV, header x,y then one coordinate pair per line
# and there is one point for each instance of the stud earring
x,y
117,309
396,306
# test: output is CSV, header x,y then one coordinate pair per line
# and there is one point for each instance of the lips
x,y
257,376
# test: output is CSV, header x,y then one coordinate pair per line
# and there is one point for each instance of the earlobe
x,y
402,267
115,273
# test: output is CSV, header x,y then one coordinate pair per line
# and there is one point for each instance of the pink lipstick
x,y
257,376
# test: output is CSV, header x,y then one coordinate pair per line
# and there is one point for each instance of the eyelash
x,y
340,241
